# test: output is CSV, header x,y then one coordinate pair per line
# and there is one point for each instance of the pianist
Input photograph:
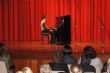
x,y
44,29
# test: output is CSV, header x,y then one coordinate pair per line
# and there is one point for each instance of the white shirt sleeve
x,y
97,62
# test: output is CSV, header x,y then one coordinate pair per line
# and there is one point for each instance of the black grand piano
x,y
63,32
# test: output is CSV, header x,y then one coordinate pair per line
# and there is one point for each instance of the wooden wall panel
x,y
21,63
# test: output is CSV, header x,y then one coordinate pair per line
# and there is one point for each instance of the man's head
x,y
45,68
58,56
90,51
67,49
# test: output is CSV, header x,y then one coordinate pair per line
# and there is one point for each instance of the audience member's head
x,y
27,70
75,69
3,51
67,49
88,49
90,52
1,47
58,56
45,68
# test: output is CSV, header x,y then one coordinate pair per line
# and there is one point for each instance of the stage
x,y
38,47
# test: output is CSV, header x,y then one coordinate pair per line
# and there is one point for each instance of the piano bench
x,y
44,35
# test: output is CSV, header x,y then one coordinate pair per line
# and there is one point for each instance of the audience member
x,y
3,68
95,61
27,70
76,69
45,68
68,58
7,59
58,64
87,49
86,67
106,67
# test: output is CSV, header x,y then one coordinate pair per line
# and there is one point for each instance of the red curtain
x,y
20,19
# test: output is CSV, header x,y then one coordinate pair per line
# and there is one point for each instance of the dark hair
x,y
1,47
89,51
1,44
43,17
58,56
67,49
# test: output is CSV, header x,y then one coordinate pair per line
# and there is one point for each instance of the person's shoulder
x,y
97,59
42,21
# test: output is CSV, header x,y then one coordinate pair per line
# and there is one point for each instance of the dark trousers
x,y
52,33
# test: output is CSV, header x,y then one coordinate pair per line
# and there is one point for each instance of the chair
x,y
44,35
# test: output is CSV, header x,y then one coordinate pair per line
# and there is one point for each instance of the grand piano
x,y
63,32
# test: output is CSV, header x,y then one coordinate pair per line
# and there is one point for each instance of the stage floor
x,y
37,46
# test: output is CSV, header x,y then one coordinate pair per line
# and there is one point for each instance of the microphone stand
x,y
102,33
103,29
